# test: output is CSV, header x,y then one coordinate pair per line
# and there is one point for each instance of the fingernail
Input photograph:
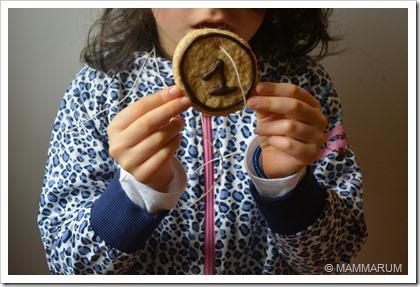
x,y
174,91
252,103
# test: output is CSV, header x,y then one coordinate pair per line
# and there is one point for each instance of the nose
x,y
213,14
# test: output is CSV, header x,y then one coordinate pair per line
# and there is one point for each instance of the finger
x,y
287,90
291,128
131,113
154,120
138,154
306,153
290,107
150,167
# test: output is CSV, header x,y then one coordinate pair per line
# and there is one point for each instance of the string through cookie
x,y
136,82
222,157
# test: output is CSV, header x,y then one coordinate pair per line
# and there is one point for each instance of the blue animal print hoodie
x,y
90,224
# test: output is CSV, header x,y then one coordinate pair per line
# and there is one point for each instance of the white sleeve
x,y
269,187
151,200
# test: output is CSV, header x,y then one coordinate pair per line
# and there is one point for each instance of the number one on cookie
x,y
218,67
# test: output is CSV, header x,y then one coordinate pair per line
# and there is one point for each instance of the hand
x,y
145,135
290,127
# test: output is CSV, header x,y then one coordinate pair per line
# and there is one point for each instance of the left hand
x,y
290,126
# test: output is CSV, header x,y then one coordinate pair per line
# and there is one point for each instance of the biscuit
x,y
207,75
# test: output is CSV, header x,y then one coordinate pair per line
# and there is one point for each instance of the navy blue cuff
x,y
256,162
121,223
296,210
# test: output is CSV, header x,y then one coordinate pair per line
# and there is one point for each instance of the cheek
x,y
169,21
251,21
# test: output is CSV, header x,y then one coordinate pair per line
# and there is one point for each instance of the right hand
x,y
144,136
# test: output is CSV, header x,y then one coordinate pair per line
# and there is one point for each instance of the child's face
x,y
173,24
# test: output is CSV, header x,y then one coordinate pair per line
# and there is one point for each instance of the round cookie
x,y
207,75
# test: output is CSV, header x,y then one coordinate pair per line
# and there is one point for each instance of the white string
x,y
157,68
185,206
119,102
221,157
237,75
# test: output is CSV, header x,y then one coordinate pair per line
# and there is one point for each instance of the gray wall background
x,y
370,77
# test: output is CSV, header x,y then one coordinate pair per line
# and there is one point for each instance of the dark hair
x,y
124,31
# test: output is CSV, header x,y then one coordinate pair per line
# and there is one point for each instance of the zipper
x,y
209,237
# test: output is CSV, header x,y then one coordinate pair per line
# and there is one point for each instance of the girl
x,y
120,195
